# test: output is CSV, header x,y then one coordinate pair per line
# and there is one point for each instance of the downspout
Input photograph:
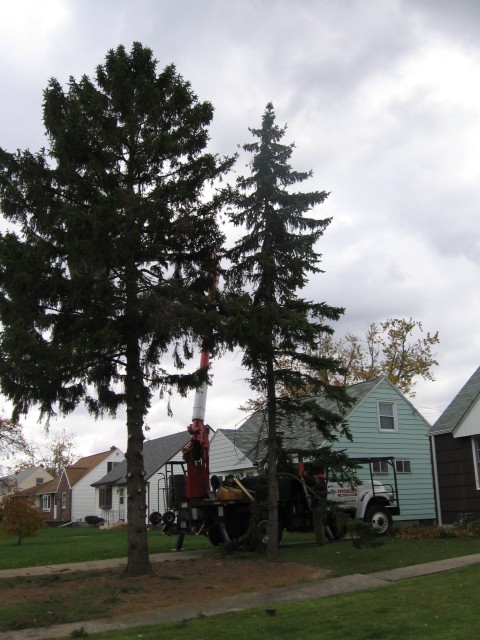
x,y
438,506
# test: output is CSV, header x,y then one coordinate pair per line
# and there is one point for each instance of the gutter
x,y
435,480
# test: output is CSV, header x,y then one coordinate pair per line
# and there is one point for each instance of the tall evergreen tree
x,y
274,259
107,270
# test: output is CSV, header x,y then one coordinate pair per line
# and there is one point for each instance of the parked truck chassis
x,y
224,514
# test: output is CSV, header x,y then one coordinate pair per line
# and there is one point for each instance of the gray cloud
x,y
381,99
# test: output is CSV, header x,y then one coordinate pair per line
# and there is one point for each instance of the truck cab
x,y
365,499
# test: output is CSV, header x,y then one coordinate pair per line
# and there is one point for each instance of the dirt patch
x,y
183,582
173,583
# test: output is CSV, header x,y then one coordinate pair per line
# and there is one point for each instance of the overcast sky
x,y
381,97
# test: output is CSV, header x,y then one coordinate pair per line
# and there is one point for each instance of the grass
x,y
441,607
82,544
56,610
372,614
342,558
92,594
59,546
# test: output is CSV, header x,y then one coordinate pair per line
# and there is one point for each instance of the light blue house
x,y
382,422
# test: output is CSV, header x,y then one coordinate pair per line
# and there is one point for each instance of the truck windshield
x,y
338,475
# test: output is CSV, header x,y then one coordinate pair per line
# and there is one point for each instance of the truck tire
x,y
262,528
379,519
168,517
336,526
214,534
155,518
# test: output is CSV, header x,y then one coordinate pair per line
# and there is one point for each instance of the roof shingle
x,y
459,406
251,437
156,453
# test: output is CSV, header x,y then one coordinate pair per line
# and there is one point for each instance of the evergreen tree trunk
x,y
138,556
272,546
136,397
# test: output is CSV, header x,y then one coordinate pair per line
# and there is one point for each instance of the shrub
x,y
94,520
363,535
445,531
19,517
473,528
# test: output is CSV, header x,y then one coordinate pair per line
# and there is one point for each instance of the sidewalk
x,y
319,589
112,563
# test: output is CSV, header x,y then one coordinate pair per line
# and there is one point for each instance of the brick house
x,y
71,497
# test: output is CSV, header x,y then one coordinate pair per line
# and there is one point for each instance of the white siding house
x,y
70,497
157,485
83,494
25,479
226,458
161,457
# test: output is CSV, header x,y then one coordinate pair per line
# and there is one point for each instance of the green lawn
x,y
81,544
58,546
441,607
344,559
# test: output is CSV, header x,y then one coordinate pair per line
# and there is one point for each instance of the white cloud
x,y
383,102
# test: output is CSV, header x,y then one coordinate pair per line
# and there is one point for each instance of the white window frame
x,y
476,459
46,502
401,464
393,416
379,466
64,501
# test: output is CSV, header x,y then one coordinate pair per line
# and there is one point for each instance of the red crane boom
x,y
196,452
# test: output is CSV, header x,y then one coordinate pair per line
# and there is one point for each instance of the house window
x,y
64,501
38,481
403,466
110,465
105,497
476,459
380,466
121,496
46,503
387,418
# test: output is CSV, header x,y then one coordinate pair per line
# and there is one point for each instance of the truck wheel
x,y
168,517
379,518
214,534
335,526
262,528
155,518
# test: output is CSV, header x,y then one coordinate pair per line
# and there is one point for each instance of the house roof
x,y
156,453
250,438
459,406
40,489
79,469
74,473
22,475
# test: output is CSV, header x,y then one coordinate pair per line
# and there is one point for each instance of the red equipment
x,y
196,452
